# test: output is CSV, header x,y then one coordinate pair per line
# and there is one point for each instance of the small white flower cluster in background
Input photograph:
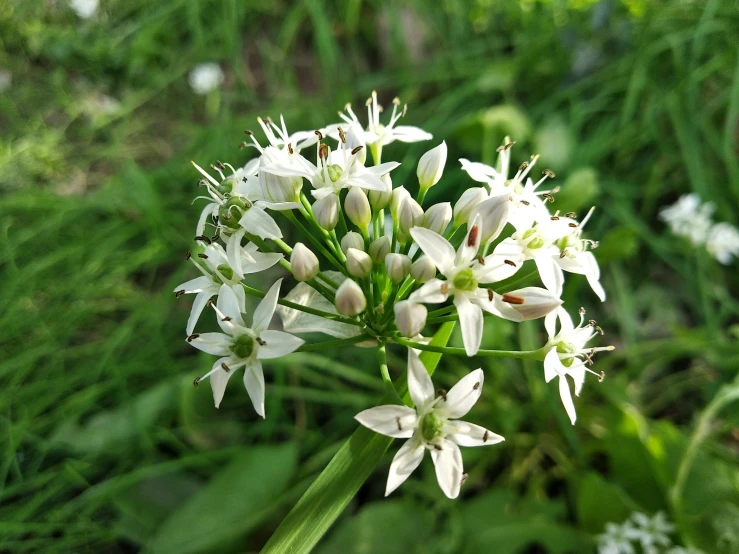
x,y
205,78
641,533
84,8
371,259
690,219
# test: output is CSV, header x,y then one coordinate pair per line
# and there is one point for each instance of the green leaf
x,y
237,499
600,502
329,494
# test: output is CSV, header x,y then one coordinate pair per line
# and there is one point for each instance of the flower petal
x,y
199,284
405,461
219,379
431,292
408,133
449,469
420,386
212,343
436,247
266,309
471,243
254,383
552,365
469,434
498,265
550,273
277,344
198,305
261,261
471,322
258,222
235,253
566,396
391,420
228,305
462,396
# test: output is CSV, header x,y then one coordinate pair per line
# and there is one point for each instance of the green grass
x,y
106,446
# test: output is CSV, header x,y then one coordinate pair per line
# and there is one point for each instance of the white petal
x,y
199,284
471,322
261,261
550,273
495,268
209,210
592,272
431,292
565,321
279,206
469,434
287,170
408,133
392,420
436,247
471,243
266,309
219,379
228,305
550,323
420,386
201,301
479,172
552,365
449,470
234,253
238,290
254,383
278,343
366,181
212,343
462,396
258,222
566,395
382,169
406,460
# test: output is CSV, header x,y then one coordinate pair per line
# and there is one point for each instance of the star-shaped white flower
x,y
241,346
226,269
576,256
463,272
653,532
567,354
433,425
617,539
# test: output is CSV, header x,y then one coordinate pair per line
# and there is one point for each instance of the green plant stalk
x,y
338,343
317,243
320,313
385,373
538,355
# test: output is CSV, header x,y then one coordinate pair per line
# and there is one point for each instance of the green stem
x,y
328,255
338,343
521,354
421,196
389,386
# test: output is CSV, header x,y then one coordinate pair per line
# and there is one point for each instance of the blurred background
x,y
105,444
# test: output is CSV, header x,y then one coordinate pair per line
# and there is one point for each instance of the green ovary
x,y
243,346
226,271
334,172
465,280
566,348
535,242
430,426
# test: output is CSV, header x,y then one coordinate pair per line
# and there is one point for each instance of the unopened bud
x,y
357,207
397,266
494,213
399,196
532,302
410,318
431,166
326,211
358,263
437,217
410,216
379,249
303,262
352,240
379,199
350,299
423,269
469,200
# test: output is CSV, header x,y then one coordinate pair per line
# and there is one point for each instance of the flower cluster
x,y
641,533
371,261
690,219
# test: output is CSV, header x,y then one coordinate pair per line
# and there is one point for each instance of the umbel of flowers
x,y
376,264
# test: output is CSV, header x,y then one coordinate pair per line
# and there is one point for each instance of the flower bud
x,y
358,263
275,188
304,263
423,269
469,200
379,199
352,240
437,217
431,166
326,211
350,299
397,267
410,318
379,249
411,215
399,195
357,207
494,213
532,302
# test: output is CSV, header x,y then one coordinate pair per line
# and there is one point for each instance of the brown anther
x,y
225,367
290,148
599,330
601,376
188,255
573,225
523,166
573,215
491,295
525,202
549,198
210,302
485,436
562,254
513,299
510,263
215,237
582,311
437,447
549,173
179,293
554,218
202,183
472,237
196,382
323,151
249,132
396,101
400,427
261,342
476,386
193,337
588,359
442,393
342,136
227,318
243,145
481,260
203,238
464,479
221,164
444,288
203,256
319,134
357,149
592,323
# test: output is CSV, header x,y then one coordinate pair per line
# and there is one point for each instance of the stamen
x,y
549,173
601,376
563,254
464,479
261,342
342,136
437,447
472,238
319,134
510,263
525,202
554,218
323,152
441,393
485,436
573,215
523,166
196,382
193,337
573,225
249,132
203,256
227,318
243,145
400,427
179,293
188,255
582,311
491,295
444,288
203,238
290,148
513,299
476,386
481,260
396,101
357,149
225,367
548,197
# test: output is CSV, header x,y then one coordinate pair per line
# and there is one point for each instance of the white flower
x,y
378,134
575,255
335,170
617,539
567,354
240,346
84,8
227,269
653,531
723,242
432,426
204,77
463,271
431,166
688,218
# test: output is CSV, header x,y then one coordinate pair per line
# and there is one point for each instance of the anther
x,y
525,202
261,342
601,376
549,173
464,479
269,119
210,302
592,323
319,134
513,299
582,311
225,367
510,263
599,330
179,293
196,382
203,256
554,218
573,225
491,295
548,197
523,166
227,318
437,447
290,148
243,145
203,238
249,132
347,106
221,164
400,427
562,254
472,238
444,288
342,136
481,260
573,215
357,149
215,237
405,110
476,386
396,101
193,337
588,359
442,393
323,151
485,436
188,255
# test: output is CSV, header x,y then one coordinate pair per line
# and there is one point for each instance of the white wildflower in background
x,y
432,425
723,242
641,533
84,8
205,78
